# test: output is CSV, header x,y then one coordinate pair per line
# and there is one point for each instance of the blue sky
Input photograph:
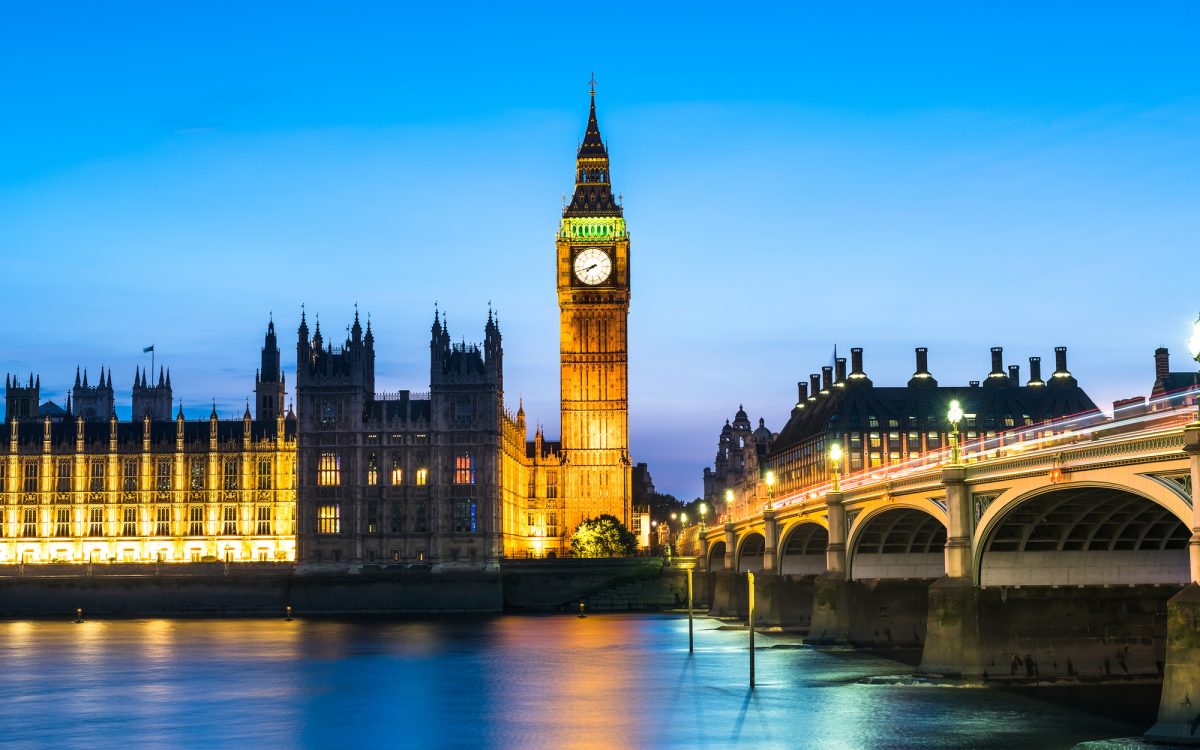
x,y
957,176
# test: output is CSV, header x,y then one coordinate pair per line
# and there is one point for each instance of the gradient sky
x,y
957,176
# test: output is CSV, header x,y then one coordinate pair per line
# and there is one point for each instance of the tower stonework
x,y
269,386
593,277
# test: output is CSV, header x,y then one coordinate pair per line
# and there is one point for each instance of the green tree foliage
x,y
603,536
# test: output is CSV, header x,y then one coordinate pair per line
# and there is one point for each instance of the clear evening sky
x,y
954,175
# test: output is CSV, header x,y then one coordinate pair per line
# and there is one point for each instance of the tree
x,y
603,536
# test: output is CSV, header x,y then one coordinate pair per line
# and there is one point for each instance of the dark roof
x,y
549,447
1174,381
129,434
852,406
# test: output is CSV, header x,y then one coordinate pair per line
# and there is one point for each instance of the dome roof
x,y
741,420
762,433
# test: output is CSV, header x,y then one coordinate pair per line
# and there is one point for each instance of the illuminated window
x,y
372,469
162,480
372,517
29,527
31,476
552,524
264,520
329,470
264,473
397,471
95,522
422,477
464,469
129,475
129,522
96,481
229,524
162,521
552,484
231,474
62,522
196,481
328,521
195,521
63,475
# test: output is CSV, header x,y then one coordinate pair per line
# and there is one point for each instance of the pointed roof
x,y
593,184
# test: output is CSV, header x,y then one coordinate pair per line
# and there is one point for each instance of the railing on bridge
x,y
1158,415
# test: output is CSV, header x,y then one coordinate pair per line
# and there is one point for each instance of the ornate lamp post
x,y
703,512
728,503
835,458
955,416
1194,350
770,488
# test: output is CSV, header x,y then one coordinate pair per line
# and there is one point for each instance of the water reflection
x,y
505,682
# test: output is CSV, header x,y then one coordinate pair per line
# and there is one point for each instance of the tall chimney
x,y
856,361
922,378
1035,371
997,361
1162,364
801,391
1060,360
922,360
1014,373
814,384
840,363
826,378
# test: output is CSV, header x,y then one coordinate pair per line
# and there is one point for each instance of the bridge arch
x,y
802,548
716,556
897,541
750,552
1081,533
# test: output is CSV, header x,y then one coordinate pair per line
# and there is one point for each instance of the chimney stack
x,y
1035,371
997,360
801,392
856,365
1162,364
826,378
1014,373
840,363
1060,360
814,385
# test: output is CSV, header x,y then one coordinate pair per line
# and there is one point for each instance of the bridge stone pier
x,y
1067,554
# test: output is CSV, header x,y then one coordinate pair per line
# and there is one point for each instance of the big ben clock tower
x,y
593,300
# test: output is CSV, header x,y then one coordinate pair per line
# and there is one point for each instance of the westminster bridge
x,y
1065,549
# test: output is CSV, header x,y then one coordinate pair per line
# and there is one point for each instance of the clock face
x,y
593,266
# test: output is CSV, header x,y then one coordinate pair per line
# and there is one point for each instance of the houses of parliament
x,y
349,475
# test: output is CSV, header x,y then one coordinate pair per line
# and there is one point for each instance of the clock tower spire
x,y
593,278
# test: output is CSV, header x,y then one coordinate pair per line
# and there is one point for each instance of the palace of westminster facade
x,y
349,476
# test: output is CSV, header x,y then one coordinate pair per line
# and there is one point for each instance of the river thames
x,y
606,681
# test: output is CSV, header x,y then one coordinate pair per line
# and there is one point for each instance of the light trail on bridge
x,y
1163,413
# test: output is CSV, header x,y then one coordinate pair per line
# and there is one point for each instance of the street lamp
x,y
955,416
1194,350
683,519
770,488
835,458
703,512
728,503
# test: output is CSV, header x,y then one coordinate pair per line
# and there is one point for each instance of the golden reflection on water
x,y
578,686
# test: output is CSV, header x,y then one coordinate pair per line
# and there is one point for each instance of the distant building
x,y
742,455
877,426
86,487
1171,386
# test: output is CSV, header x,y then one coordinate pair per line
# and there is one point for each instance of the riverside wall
x,y
267,589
